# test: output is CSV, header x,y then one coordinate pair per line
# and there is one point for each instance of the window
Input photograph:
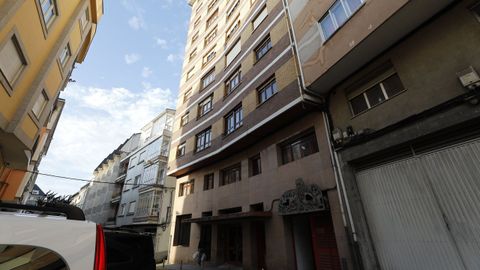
x,y
195,37
234,120
260,17
232,29
208,181
209,56
141,157
196,23
263,48
29,257
133,162
65,55
232,8
186,188
127,185
184,119
476,10
212,18
190,74
84,19
337,15
49,11
136,181
198,8
203,140
211,5
208,78
12,60
182,231
376,94
187,95
181,150
255,164
122,210
205,106
266,91
35,192
299,147
230,175
40,104
131,208
193,54
211,36
233,82
232,54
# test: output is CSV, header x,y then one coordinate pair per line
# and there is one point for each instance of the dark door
x,y
259,238
323,242
206,240
230,241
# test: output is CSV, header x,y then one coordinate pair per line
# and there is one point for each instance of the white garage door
x,y
424,212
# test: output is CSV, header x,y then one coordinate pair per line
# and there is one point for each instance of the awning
x,y
252,215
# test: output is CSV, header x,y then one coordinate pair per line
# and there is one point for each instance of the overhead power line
x,y
90,180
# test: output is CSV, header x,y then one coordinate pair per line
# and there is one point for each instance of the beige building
x,y
255,181
402,88
40,42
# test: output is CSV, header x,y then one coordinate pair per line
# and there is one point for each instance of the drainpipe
x,y
333,155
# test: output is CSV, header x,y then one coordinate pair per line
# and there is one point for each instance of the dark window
x,y
255,165
263,48
186,188
212,35
187,95
211,5
231,174
205,106
377,94
182,231
184,119
208,181
233,82
136,181
204,140
267,90
29,257
298,148
181,150
234,120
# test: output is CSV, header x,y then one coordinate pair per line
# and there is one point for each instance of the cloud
x,y
173,57
131,58
95,121
162,43
137,23
146,72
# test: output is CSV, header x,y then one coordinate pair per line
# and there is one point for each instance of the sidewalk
x,y
196,267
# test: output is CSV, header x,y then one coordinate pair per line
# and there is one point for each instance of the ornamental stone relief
x,y
303,199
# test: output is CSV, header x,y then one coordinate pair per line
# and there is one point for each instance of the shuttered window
x,y
234,52
260,17
40,104
12,60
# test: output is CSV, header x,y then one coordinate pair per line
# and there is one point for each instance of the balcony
x,y
371,30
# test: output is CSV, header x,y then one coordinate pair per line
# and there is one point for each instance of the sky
x,y
130,75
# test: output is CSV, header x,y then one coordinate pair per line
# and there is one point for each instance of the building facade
x,y
145,200
40,41
400,80
255,182
98,204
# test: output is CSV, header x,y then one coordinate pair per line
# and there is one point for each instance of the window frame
x,y
263,88
184,119
84,24
237,115
212,19
207,79
181,149
380,82
265,43
298,140
258,16
45,103
251,163
210,37
203,104
13,37
182,231
230,169
134,203
186,188
47,25
236,73
203,135
187,95
329,13
208,181
68,55
209,56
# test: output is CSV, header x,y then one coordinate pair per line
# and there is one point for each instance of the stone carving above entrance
x,y
303,199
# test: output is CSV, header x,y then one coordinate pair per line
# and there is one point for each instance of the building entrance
x,y
230,241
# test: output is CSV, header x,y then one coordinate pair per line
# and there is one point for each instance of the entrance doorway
x,y
230,241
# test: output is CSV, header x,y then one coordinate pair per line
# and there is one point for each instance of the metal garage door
x,y
424,212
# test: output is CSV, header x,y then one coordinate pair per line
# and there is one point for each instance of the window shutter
x,y
233,52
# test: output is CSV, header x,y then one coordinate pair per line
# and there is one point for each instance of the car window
x,y
23,257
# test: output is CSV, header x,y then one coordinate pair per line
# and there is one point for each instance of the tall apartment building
x,y
102,196
146,197
401,84
40,41
255,183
